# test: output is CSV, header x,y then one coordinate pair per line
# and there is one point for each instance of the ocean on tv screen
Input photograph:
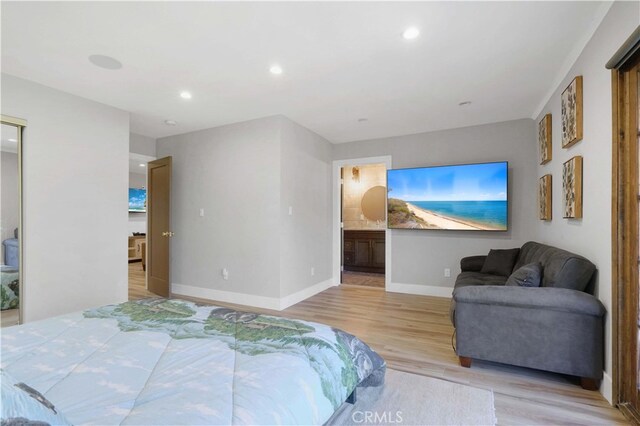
x,y
461,197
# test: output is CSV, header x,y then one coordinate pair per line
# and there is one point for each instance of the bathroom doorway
x,y
363,213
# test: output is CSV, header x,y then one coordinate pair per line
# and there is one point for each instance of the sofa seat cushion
x,y
466,279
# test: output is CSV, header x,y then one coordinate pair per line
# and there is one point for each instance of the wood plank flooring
x,y
363,278
137,282
413,334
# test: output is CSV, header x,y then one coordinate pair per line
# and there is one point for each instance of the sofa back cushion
x,y
527,276
560,268
500,262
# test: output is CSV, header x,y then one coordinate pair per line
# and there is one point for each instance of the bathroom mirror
x,y
12,283
373,203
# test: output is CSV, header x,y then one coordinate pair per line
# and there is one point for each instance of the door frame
x,y
336,222
20,125
624,231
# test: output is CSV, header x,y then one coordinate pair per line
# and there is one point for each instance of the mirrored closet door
x,y
11,291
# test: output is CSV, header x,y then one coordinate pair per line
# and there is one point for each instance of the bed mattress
x,y
159,361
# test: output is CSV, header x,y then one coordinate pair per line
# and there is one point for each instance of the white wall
x,y
10,202
420,257
141,144
246,176
137,221
75,201
305,237
590,236
233,173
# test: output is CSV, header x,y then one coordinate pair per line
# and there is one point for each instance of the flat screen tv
x,y
137,200
469,197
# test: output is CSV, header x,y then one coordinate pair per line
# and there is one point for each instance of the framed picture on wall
x,y
544,139
572,188
572,113
544,198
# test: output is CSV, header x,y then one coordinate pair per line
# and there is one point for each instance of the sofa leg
x,y
589,384
465,361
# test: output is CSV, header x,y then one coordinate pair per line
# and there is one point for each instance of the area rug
x,y
410,399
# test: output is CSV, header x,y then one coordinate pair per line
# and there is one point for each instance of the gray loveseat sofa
x,y
556,327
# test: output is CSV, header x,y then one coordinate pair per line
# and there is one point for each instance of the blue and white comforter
x,y
159,361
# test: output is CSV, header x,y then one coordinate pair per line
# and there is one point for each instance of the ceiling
x,y
342,61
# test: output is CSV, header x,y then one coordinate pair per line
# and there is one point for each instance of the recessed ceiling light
x,y
142,165
185,95
13,140
411,33
464,103
362,120
106,62
170,122
275,69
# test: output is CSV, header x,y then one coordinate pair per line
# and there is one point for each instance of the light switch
x,y
290,211
201,212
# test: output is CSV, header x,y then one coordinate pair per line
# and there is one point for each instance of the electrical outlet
x,y
313,271
201,212
447,272
225,274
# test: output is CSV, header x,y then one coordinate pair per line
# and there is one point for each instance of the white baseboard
x,y
226,296
423,290
273,303
606,387
306,293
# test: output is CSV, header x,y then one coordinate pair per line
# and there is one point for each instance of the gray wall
x,y
140,144
305,237
590,236
10,202
233,172
420,257
75,158
246,176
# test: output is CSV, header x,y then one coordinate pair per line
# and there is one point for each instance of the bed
x,y
159,361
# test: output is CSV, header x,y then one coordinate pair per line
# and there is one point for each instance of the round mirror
x,y
373,202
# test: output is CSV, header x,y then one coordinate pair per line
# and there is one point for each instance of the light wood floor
x,y
413,334
137,284
363,278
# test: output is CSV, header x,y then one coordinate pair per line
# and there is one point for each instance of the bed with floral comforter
x,y
159,361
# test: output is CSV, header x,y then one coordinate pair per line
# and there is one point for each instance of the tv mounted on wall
x,y
471,197
137,200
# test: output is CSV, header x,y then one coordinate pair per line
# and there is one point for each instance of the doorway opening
x,y
364,208
137,232
362,244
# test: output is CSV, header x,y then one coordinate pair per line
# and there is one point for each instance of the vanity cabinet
x,y
364,251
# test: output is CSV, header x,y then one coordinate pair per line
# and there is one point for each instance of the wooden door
x,y
159,226
625,232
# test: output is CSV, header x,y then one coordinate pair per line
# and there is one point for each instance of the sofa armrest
x,y
540,298
472,263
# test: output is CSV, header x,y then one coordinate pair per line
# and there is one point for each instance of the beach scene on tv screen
x,y
462,197
137,200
